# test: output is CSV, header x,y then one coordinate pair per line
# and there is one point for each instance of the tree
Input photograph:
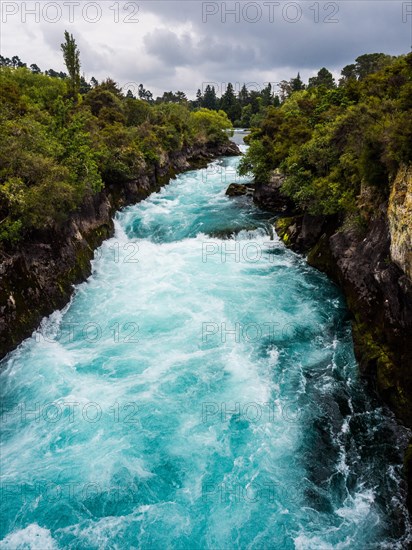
x,y
228,98
145,94
137,111
246,115
55,74
111,86
212,124
170,97
365,65
84,86
71,56
349,71
267,96
371,63
16,62
93,82
105,101
285,88
5,61
229,104
255,101
199,98
34,68
243,96
296,84
323,78
141,92
178,97
209,98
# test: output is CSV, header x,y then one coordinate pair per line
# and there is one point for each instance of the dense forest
x,y
63,137
61,140
243,108
339,146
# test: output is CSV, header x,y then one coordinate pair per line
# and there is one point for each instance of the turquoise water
x,y
199,391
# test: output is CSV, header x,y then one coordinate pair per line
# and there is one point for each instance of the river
x,y
199,392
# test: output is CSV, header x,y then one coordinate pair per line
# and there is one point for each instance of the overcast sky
x,y
182,45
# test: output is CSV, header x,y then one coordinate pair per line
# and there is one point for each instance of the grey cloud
x,y
361,27
172,47
181,51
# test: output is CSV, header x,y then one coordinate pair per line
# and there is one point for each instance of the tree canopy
x,y
334,142
58,147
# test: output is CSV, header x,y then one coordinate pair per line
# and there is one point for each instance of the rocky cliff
x,y
372,263
400,220
39,277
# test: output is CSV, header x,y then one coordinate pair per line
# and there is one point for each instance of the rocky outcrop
x,y
239,189
268,195
378,293
372,265
400,220
303,231
39,277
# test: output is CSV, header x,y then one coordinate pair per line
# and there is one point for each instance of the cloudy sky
x,y
182,45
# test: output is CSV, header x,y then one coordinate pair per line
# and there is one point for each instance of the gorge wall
x,y
373,266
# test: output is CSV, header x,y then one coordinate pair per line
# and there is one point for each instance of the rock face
x,y
39,278
378,293
373,266
268,196
374,269
302,231
239,189
400,220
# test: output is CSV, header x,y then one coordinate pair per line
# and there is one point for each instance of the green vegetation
x,y
338,144
62,140
244,108
71,57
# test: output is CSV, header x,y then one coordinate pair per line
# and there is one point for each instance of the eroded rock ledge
x,y
400,220
39,278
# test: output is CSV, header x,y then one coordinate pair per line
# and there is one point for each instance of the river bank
x,y
370,263
39,278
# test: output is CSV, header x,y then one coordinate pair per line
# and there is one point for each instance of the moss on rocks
x,y
286,228
320,256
